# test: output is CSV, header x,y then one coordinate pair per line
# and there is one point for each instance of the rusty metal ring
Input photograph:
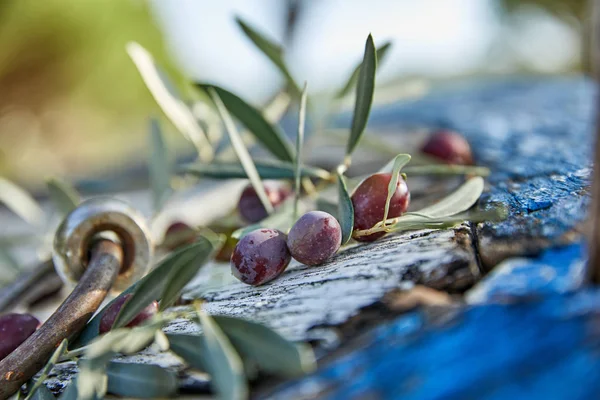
x,y
81,227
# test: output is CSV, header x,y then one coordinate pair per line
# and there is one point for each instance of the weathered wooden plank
x,y
307,297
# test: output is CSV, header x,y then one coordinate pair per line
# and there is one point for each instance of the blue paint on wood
x,y
556,271
544,343
546,349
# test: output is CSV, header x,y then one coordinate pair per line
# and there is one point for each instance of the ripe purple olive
x,y
179,234
369,200
250,206
260,256
314,238
14,330
109,316
449,147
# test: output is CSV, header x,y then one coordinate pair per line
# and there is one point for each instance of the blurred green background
x,y
73,105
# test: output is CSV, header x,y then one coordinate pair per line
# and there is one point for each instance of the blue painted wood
x,y
544,349
561,270
543,340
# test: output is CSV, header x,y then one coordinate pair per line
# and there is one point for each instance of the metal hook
x,y
110,262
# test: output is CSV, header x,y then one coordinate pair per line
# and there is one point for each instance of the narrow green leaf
x,y
242,152
282,219
153,285
123,340
223,363
21,203
182,273
192,348
266,133
299,144
159,167
142,381
345,209
267,169
174,108
71,392
271,351
381,53
42,393
39,383
92,381
7,259
405,223
443,170
273,51
64,196
364,95
399,161
161,340
460,200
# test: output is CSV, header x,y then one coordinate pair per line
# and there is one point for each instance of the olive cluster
x,y
263,254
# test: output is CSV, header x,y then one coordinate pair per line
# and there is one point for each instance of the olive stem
x,y
27,359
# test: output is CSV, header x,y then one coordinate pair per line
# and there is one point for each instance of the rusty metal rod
x,y
25,361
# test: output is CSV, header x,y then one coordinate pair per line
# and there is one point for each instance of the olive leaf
x,y
159,167
143,381
64,196
92,381
282,219
268,134
443,169
39,383
267,169
242,152
399,161
182,272
345,209
71,392
460,200
156,283
405,223
223,363
21,203
269,350
192,348
42,393
174,108
381,53
273,51
299,144
92,378
364,95
7,259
